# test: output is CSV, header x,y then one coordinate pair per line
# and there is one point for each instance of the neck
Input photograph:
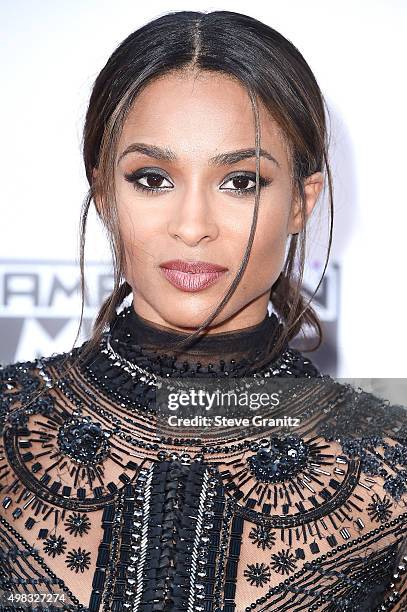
x,y
130,332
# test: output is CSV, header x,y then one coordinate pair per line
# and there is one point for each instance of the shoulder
x,y
28,390
372,431
357,413
18,381
24,385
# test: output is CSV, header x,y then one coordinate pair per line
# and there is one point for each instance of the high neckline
x,y
131,333
128,351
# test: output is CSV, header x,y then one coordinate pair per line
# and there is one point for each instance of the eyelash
x,y
133,178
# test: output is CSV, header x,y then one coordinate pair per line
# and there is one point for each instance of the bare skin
x,y
197,214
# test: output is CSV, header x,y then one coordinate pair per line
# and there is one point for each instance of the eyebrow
x,y
223,159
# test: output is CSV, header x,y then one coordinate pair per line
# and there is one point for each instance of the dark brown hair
x,y
274,72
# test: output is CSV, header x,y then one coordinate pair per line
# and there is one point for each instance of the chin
x,y
184,318
188,314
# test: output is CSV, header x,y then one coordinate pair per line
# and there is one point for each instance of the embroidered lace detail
x,y
97,507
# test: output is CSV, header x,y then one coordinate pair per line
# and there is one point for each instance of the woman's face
x,y
184,193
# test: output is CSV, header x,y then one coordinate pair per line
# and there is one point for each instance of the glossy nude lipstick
x,y
191,275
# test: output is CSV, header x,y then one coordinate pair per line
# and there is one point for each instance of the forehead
x,y
200,113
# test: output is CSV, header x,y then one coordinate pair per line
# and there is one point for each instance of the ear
x,y
313,185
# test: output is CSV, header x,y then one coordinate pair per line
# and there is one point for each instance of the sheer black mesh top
x,y
103,510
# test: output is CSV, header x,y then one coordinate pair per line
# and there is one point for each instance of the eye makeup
x,y
155,176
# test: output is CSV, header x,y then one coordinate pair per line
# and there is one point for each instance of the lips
x,y
192,267
191,276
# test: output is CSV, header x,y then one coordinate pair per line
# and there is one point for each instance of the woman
x,y
205,150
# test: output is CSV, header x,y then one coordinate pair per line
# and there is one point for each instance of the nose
x,y
192,220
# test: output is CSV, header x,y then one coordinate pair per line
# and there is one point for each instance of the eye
x,y
241,183
149,180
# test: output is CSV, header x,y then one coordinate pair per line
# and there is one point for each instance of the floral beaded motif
x,y
78,560
262,536
77,524
55,545
257,574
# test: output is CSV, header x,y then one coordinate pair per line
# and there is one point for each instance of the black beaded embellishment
x,y
77,524
55,545
176,529
380,508
78,560
280,460
83,440
283,562
263,536
258,574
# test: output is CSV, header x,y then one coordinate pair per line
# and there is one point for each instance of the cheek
x,y
137,228
269,246
268,252
143,238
